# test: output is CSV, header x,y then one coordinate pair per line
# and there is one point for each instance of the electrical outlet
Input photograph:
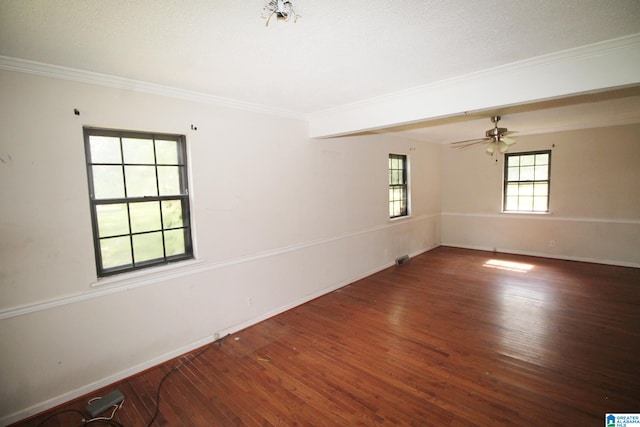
x,y
249,302
552,243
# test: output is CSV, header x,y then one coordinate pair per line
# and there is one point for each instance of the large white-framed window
x,y
527,181
398,186
139,199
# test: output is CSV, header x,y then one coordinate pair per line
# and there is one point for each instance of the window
x,y
398,194
139,199
526,181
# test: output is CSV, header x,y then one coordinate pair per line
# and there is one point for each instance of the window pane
x,y
113,220
394,209
172,214
396,176
115,252
525,203
527,182
398,194
145,216
138,151
512,203
169,180
540,204
107,182
527,160
541,189
513,174
513,189
526,189
542,159
167,152
141,181
541,172
174,242
147,247
527,173
513,161
105,149
126,177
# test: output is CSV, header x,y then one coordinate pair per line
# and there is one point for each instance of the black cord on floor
x,y
177,368
157,411
83,422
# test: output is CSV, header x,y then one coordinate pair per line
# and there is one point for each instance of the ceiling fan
x,y
282,9
496,137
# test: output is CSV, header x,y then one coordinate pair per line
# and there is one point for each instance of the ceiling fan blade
x,y
470,140
468,144
509,132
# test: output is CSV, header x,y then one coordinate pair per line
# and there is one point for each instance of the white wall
x,y
278,218
594,202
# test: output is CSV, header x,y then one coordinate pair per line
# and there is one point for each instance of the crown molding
x,y
65,73
596,67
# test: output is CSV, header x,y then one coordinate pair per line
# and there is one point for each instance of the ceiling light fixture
x,y
496,138
282,9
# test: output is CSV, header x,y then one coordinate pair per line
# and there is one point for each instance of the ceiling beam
x,y
587,69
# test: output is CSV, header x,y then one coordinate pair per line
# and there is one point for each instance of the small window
x,y
526,181
139,199
398,194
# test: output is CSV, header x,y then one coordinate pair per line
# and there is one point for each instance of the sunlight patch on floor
x,y
508,265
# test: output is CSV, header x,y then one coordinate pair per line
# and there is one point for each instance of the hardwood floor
x,y
445,339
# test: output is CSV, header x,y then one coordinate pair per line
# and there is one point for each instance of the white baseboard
x,y
544,255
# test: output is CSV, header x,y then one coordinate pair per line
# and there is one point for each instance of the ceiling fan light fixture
x,y
282,9
491,148
502,146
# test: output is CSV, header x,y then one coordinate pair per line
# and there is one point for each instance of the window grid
x,y
398,194
140,215
527,181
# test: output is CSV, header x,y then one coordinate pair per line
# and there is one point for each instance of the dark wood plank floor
x,y
443,340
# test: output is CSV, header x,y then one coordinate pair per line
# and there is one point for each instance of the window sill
x,y
525,213
399,218
149,275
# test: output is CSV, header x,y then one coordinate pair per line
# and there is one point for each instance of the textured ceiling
x,y
338,52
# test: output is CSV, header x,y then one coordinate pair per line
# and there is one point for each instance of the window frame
x,y
506,181
183,198
404,186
